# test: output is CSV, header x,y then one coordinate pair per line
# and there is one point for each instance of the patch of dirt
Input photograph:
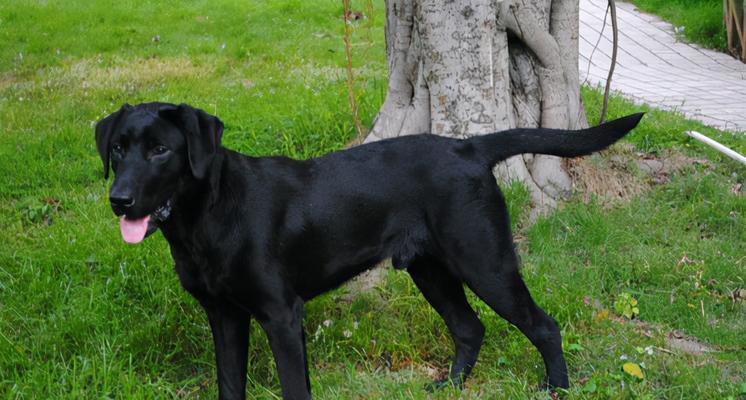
x,y
7,80
620,173
96,74
676,341
431,371
371,278
365,282
326,74
679,342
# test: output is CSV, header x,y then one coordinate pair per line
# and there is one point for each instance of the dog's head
x,y
152,149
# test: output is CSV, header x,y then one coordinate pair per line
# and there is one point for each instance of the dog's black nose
x,y
122,201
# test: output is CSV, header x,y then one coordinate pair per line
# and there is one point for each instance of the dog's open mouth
x,y
134,230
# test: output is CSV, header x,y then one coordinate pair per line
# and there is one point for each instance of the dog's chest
x,y
198,272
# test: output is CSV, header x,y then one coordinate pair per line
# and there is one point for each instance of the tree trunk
x,y
734,14
469,67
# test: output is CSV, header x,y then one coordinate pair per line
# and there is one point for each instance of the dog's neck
x,y
193,197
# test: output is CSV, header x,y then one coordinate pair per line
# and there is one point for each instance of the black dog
x,y
258,237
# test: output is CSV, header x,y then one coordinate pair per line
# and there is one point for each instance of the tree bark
x,y
460,68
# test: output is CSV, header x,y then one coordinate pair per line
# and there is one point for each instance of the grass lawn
x,y
82,315
702,20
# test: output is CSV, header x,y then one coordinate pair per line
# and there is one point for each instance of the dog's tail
x,y
497,147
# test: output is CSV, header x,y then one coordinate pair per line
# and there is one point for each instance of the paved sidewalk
x,y
655,68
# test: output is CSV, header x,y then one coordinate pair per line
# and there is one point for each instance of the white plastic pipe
x,y
717,146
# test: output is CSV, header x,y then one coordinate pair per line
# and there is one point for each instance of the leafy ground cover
x,y
701,20
82,315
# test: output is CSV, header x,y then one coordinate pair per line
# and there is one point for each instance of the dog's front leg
x,y
284,328
230,333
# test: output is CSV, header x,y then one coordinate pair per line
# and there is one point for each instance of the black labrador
x,y
258,237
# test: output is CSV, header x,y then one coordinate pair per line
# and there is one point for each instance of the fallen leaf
x,y
634,370
677,341
574,347
738,294
590,387
676,334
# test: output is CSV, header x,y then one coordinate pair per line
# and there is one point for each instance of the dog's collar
x,y
163,212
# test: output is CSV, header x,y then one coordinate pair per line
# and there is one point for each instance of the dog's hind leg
x,y
445,293
503,289
477,242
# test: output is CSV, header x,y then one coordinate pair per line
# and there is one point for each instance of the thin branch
x,y
615,30
595,47
350,78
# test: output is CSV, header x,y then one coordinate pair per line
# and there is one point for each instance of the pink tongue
x,y
133,230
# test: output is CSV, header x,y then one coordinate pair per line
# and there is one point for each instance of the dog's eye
x,y
117,148
160,149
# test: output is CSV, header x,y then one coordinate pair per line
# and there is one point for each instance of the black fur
x,y
258,237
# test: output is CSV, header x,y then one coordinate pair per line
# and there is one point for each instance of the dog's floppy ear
x,y
202,132
104,129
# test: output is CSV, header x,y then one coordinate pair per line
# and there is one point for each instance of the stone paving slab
x,y
655,67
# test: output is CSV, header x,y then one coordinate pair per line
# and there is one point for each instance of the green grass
x,y
83,315
702,20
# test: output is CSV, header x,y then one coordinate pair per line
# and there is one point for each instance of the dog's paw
x,y
443,384
554,388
